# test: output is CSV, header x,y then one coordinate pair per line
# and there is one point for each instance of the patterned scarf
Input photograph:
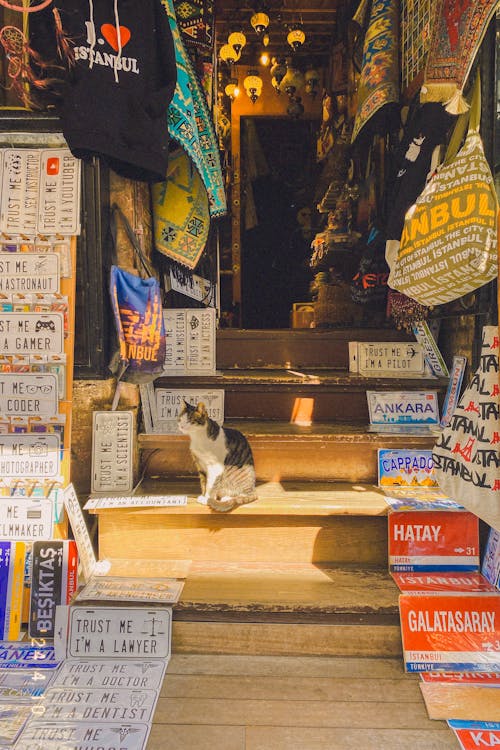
x,y
180,212
196,22
379,80
459,28
190,123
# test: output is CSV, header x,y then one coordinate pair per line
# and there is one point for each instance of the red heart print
x,y
109,33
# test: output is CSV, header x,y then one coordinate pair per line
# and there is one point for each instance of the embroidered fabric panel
x,y
190,122
196,22
416,19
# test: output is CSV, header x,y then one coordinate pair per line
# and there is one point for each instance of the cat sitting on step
x,y
223,458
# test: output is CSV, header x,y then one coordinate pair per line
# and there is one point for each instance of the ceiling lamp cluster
x,y
285,76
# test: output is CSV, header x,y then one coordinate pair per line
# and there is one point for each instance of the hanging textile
x,y
120,76
190,122
379,80
459,27
180,212
196,22
426,130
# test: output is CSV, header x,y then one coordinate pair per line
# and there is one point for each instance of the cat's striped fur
x,y
223,458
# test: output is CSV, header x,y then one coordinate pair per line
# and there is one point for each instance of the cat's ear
x,y
201,409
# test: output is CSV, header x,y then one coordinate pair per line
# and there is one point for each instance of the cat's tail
x,y
229,502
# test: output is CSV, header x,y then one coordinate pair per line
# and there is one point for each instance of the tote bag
x,y
137,308
448,246
467,454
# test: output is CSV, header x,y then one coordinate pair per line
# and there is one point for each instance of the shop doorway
x,y
279,174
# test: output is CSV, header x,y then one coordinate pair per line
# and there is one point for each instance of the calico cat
x,y
223,458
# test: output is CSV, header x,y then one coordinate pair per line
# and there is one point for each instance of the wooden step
x,y
287,609
283,451
291,522
291,348
279,608
278,703
334,395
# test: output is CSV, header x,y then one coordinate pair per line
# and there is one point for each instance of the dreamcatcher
x,y
25,6
21,57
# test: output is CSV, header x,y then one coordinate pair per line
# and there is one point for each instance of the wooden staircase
x,y
302,571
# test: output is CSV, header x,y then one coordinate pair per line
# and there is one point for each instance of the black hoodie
x,y
115,101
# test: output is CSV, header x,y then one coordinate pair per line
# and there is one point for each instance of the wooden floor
x,y
280,703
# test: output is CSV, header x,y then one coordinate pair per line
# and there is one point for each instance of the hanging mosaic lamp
x,y
253,85
296,38
228,54
292,82
231,88
277,70
237,40
259,22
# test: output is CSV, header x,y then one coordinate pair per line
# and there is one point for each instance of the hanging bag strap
x,y
468,122
143,266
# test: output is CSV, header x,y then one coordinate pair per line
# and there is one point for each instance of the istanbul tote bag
x,y
448,246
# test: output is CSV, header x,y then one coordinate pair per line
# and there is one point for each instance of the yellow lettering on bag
x,y
461,207
484,202
458,211
439,215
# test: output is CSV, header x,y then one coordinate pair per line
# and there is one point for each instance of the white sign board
x,y
170,402
198,288
13,717
28,393
29,273
25,678
86,554
128,589
31,333
20,191
119,632
24,694
21,655
388,358
68,735
99,704
491,559
29,456
432,354
175,352
403,408
200,356
112,460
136,501
190,338
59,204
26,519
111,673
